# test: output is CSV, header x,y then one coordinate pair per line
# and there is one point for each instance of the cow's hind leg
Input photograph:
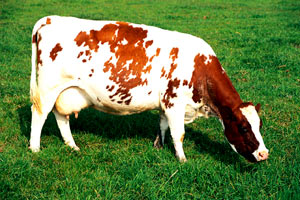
x,y
160,139
37,122
64,127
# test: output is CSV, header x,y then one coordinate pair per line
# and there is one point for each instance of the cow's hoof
x,y
34,149
75,148
182,160
157,143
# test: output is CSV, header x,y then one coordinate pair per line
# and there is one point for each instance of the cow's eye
x,y
243,129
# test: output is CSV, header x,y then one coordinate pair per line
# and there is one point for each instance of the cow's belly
x,y
74,99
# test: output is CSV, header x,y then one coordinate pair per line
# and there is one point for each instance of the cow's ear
x,y
257,107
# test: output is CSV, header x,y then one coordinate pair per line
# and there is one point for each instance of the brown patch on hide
x,y
211,83
169,94
39,51
110,88
127,45
148,43
157,52
48,21
34,37
185,82
173,56
54,51
80,54
163,72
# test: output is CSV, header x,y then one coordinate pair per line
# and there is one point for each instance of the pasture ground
x,y
257,42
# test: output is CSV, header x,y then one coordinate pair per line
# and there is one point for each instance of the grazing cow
x,y
123,68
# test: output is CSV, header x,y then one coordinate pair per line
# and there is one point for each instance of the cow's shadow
x,y
143,125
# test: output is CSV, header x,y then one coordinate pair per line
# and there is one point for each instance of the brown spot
x,y
108,65
48,21
39,51
157,51
34,37
83,38
90,75
185,82
106,34
111,88
87,52
80,54
84,60
169,94
182,138
127,102
173,67
148,43
54,51
163,72
151,59
119,102
156,54
92,70
39,60
174,54
149,92
98,99
90,57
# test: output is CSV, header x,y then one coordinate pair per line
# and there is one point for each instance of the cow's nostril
x,y
263,155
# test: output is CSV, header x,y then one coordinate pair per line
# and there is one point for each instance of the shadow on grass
x,y
219,151
143,125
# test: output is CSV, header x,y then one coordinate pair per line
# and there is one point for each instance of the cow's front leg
x,y
64,127
176,123
160,139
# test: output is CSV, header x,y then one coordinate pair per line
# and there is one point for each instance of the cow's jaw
x,y
251,115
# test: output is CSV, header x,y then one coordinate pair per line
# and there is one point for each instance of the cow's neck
x,y
219,93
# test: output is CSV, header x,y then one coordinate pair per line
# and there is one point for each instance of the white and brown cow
x,y
123,68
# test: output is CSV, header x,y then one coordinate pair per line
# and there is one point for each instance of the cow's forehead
x,y
251,115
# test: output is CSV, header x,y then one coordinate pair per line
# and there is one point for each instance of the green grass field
x,y
257,42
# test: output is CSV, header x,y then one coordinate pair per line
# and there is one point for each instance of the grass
x,y
257,42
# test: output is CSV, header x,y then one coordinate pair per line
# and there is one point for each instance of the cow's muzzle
x,y
261,155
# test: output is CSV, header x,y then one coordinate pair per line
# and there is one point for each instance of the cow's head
x,y
242,127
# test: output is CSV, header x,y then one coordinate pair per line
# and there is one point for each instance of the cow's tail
x,y
34,91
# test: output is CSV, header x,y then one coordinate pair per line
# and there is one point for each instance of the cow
x,y
124,68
